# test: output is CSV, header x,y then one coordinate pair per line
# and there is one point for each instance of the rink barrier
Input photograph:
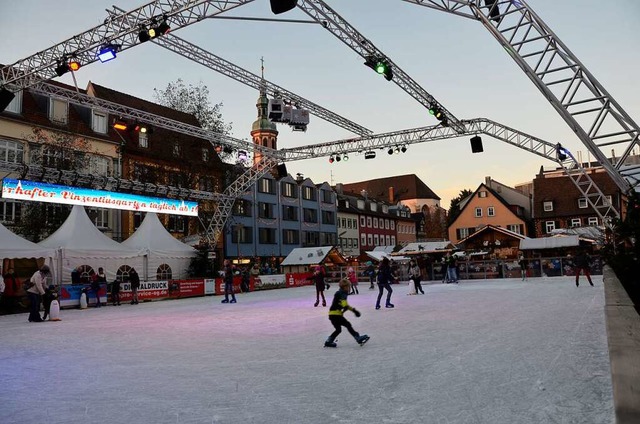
x,y
623,336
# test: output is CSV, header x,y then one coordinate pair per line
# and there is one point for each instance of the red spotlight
x,y
74,65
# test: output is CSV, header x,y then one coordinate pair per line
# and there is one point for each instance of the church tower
x,y
263,131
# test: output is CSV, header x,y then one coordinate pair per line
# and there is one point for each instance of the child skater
x,y
318,279
338,306
353,279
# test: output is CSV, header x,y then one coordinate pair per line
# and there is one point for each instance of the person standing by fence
x,y
583,263
523,266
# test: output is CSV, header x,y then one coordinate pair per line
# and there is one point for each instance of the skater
x,y
134,279
415,275
336,310
583,262
35,292
452,272
353,279
318,278
384,280
115,292
228,283
95,287
371,272
523,266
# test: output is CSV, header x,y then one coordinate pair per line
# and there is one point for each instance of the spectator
x,y
95,286
523,266
228,282
115,292
35,292
134,279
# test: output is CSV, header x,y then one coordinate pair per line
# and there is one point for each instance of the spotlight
x,y
119,124
403,149
107,52
162,29
397,150
217,148
74,65
390,151
379,65
62,68
281,6
144,35
345,157
143,128
338,158
370,155
331,159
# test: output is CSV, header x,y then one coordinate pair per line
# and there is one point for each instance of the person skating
x,y
523,266
134,280
371,273
318,278
353,279
583,262
384,279
336,316
228,283
416,275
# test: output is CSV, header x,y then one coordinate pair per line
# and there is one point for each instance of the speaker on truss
x,y
6,97
281,6
476,144
282,170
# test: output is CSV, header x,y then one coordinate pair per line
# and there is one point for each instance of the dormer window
x,y
58,111
99,122
16,104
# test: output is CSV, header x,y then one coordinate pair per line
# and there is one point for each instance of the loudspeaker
x,y
476,144
6,97
282,170
281,6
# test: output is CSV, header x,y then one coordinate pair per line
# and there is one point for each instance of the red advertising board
x,y
186,288
298,279
149,290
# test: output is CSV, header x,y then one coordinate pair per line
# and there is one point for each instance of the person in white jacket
x,y
39,281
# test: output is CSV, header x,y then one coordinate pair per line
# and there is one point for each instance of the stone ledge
x,y
623,336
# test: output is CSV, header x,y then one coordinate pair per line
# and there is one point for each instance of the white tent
x,y
161,248
549,242
13,246
78,242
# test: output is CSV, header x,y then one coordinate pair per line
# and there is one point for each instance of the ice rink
x,y
488,351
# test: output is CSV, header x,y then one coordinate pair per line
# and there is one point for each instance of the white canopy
x,y
549,242
161,247
308,255
13,246
427,247
79,242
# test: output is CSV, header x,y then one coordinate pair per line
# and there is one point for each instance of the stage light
x,y
281,6
107,52
494,11
217,148
144,35
331,159
119,124
403,149
74,65
162,29
379,65
396,150
390,151
370,154
6,97
338,158
345,157
62,68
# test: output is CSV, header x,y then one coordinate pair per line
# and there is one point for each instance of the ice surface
x,y
494,351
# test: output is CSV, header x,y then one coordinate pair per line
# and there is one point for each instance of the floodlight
x,y
281,6
390,151
370,154
62,68
331,159
74,65
163,28
403,149
345,157
121,125
338,158
107,52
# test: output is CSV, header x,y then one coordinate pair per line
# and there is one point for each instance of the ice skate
x,y
233,301
377,306
362,339
224,301
330,343
389,305
316,304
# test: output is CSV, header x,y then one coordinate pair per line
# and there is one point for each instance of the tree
x,y
454,208
195,101
200,265
63,152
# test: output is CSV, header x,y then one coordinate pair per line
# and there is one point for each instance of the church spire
x,y
263,131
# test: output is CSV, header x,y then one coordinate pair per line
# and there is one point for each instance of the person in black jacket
x,y
583,262
320,283
228,282
384,279
336,311
115,292
134,279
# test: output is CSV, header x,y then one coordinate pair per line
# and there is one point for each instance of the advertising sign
x,y
149,290
70,295
52,193
186,288
298,279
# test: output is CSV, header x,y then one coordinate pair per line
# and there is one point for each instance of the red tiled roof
x,y
405,187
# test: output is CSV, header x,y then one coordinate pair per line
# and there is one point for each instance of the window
x,y
328,217
376,240
374,206
355,243
10,211
11,151
327,239
267,235
100,217
137,219
265,185
387,240
547,206
99,122
363,239
482,193
386,224
177,223
369,222
360,204
289,189
58,111
491,211
369,239
143,140
576,222
393,225
290,237
327,196
375,222
99,165
177,150
308,193
207,184
609,200
550,226
242,208
355,223
362,223
16,104
205,154
393,240
593,220
582,203
310,215
310,238
478,213
164,272
516,228
385,209
241,234
122,274
265,210
289,213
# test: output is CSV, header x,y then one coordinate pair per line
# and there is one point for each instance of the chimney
x,y
364,194
339,188
299,177
391,196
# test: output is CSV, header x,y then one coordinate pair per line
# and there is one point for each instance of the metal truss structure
x,y
585,105
594,116
397,139
334,23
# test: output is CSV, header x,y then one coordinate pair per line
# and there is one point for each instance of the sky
x,y
454,59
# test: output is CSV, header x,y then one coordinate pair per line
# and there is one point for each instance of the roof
x,y
13,246
377,255
493,228
153,237
427,247
549,242
312,255
405,187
